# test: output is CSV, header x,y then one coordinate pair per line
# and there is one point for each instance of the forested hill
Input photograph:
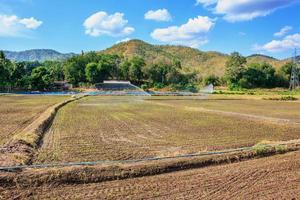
x,y
37,55
203,62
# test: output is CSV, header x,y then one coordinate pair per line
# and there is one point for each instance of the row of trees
x,y
94,68
91,68
240,74
28,75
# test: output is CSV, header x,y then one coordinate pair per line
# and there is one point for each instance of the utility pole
x,y
294,82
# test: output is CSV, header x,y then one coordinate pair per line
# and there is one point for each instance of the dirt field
x,y
276,177
118,128
16,112
288,111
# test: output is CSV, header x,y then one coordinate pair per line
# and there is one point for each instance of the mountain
x,y
37,55
290,59
205,63
259,58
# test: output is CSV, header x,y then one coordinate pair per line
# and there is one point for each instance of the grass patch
x,y
266,148
282,98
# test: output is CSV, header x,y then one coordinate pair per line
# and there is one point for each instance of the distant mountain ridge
x,y
37,55
205,63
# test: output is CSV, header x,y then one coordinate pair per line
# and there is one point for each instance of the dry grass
x,y
118,128
17,112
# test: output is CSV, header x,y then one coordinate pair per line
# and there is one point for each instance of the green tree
x,y
124,70
41,78
135,69
211,79
16,75
55,69
5,71
74,70
92,72
284,74
235,67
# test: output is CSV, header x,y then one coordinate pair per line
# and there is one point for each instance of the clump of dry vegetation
x,y
282,98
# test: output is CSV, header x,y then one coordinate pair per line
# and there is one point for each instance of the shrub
x,y
211,79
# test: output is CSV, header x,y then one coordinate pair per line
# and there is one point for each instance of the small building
x,y
61,85
114,85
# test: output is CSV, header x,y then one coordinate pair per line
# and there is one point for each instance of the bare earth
x,y
120,128
276,177
17,112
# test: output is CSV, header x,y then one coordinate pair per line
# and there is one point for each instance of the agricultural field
x,y
276,177
288,111
120,128
17,112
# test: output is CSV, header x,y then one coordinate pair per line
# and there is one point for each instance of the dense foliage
x,y
239,74
89,69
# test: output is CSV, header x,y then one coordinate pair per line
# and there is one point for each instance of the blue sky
x,y
270,27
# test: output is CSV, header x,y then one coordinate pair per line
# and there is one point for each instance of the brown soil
x,y
20,148
17,112
276,177
122,128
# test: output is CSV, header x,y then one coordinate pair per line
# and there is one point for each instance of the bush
x,y
159,85
145,87
191,88
212,79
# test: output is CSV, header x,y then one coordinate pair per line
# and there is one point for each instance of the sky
x,y
270,27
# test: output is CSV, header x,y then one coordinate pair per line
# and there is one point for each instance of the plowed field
x,y
276,177
119,128
16,112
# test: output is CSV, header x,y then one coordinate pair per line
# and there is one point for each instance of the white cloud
x,y
193,33
206,2
283,31
13,26
123,40
101,23
158,15
243,10
287,43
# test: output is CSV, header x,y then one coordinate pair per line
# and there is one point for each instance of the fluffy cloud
x,y
287,43
283,31
123,40
101,23
243,10
13,26
193,33
158,15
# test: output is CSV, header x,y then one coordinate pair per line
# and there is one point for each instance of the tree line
x,y
91,68
240,74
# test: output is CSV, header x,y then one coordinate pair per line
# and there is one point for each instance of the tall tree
x,y
235,67
41,78
5,71
135,70
74,70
